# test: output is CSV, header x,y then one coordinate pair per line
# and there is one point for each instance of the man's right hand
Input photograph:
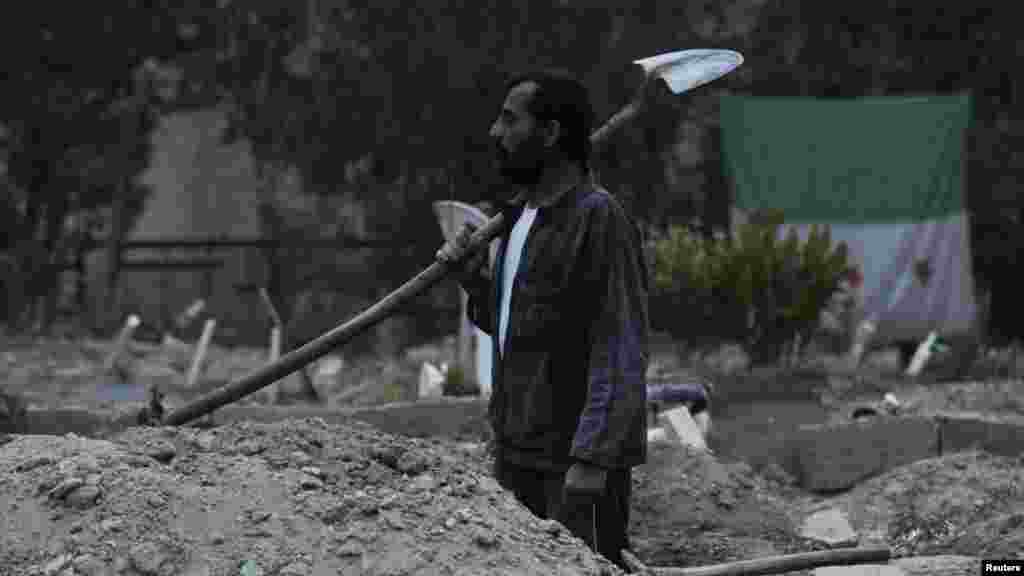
x,y
468,267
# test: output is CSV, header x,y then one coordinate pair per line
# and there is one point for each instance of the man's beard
x,y
522,168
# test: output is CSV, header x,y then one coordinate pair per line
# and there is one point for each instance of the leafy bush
x,y
752,288
458,383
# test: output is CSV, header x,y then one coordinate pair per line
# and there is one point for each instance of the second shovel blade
x,y
685,70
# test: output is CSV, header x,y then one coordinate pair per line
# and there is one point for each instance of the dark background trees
x,y
374,93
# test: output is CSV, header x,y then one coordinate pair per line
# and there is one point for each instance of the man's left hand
x,y
585,479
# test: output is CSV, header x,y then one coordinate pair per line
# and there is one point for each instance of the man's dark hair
x,y
562,97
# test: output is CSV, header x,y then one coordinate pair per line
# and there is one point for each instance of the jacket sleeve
x,y
611,432
480,307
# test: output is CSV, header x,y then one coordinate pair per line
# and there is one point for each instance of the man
x,y
566,304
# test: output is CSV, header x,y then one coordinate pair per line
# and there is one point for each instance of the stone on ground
x,y
830,527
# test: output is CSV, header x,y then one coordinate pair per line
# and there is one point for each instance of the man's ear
x,y
552,132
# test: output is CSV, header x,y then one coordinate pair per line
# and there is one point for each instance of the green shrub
x,y
458,383
752,287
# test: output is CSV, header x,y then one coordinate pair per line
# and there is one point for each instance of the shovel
x,y
682,71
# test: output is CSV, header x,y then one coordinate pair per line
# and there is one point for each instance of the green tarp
x,y
868,160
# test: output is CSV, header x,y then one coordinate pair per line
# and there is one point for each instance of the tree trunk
x,y
52,267
25,262
115,240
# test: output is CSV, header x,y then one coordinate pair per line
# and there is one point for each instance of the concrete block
x,y
657,435
680,427
431,383
835,457
959,432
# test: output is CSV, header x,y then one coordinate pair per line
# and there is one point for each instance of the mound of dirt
x,y
292,498
970,504
691,509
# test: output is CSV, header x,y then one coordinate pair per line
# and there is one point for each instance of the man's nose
x,y
495,132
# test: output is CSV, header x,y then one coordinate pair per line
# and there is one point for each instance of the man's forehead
x,y
519,96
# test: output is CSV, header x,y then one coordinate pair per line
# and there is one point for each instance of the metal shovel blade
x,y
685,70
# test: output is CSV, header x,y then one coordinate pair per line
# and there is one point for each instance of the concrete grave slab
x,y
972,430
835,457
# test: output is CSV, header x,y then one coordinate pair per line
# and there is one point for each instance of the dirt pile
x,y
691,509
292,498
970,504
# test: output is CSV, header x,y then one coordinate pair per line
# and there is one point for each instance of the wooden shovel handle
x,y
770,564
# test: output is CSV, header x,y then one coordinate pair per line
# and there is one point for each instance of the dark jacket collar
x,y
559,202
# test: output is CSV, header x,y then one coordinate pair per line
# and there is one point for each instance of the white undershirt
x,y
516,241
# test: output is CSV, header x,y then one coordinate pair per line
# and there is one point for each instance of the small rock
x,y
149,558
311,483
313,471
67,467
89,565
393,520
258,516
485,539
122,565
250,448
295,569
830,527
552,527
389,502
203,441
162,452
138,461
412,463
29,465
349,549
112,525
217,538
155,500
54,566
449,523
422,483
65,487
84,497
301,458
86,463
464,515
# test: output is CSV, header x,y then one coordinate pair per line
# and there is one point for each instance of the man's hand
x,y
585,479
469,267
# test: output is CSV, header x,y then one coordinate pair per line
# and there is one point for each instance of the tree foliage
x,y
73,132
359,95
757,286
